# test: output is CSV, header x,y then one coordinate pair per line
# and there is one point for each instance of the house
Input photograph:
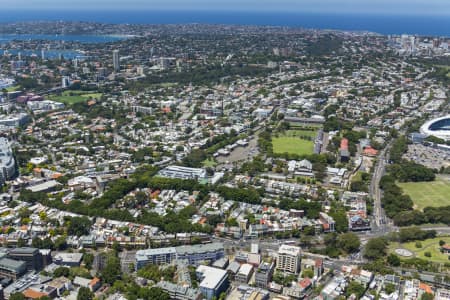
x,y
445,248
369,151
343,150
92,284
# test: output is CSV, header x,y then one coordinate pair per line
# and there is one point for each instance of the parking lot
x,y
428,156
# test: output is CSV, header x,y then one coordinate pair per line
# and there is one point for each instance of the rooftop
x,y
289,250
12,265
211,276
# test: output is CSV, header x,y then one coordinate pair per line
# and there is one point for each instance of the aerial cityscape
x,y
221,152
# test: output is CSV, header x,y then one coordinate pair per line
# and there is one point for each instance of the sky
x,y
397,7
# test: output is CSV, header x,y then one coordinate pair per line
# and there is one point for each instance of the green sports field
x,y
434,194
291,142
71,97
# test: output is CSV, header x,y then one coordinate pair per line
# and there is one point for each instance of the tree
x,y
308,273
355,288
375,248
17,296
46,243
88,259
427,296
61,243
389,288
61,271
112,270
79,226
393,260
85,294
157,293
21,243
349,242
340,217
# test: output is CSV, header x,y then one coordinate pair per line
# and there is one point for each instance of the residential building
x,y
116,60
263,274
157,256
7,162
194,255
198,254
288,259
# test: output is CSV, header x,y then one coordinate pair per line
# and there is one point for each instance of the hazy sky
x,y
429,7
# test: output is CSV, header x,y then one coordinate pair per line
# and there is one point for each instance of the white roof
x,y
212,276
289,250
246,269
443,133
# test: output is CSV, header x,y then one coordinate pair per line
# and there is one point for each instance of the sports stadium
x,y
439,127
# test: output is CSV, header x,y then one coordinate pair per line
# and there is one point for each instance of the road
x,y
380,219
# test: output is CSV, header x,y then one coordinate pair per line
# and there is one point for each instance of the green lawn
x,y
209,163
431,245
434,194
301,132
71,97
300,126
357,176
13,88
291,142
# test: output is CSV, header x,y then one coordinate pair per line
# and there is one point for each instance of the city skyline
x,y
402,7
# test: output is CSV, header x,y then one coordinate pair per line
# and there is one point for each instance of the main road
x,y
375,191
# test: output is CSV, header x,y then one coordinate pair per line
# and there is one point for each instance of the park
x,y
428,193
299,142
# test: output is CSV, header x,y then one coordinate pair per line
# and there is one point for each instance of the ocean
x,y
383,24
67,38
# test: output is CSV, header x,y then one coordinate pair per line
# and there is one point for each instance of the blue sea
x,y
68,38
384,24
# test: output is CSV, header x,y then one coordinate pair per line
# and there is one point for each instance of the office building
x,y
116,61
13,269
288,259
264,274
213,281
7,162
31,256
194,255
